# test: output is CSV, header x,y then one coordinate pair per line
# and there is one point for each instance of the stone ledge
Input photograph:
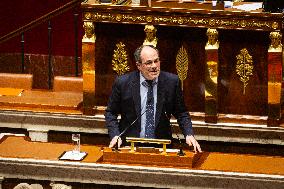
x,y
223,132
126,175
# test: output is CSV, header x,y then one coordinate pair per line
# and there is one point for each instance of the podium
x,y
171,159
150,155
38,161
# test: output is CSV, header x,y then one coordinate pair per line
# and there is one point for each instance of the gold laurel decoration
x,y
244,67
119,61
182,64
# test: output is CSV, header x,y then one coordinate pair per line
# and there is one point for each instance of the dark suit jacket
x,y
125,101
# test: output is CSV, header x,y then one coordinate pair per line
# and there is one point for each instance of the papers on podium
x,y
73,156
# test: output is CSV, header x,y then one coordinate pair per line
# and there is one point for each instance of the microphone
x,y
181,152
130,125
149,101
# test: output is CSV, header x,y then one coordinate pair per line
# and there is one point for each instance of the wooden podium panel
x,y
171,159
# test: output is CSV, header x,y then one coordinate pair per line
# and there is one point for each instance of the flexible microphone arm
x,y
180,153
116,145
131,124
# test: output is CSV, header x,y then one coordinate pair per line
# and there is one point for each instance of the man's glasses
x,y
150,62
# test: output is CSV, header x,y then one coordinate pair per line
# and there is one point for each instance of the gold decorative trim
x,y
182,64
276,45
244,67
213,70
119,61
211,86
226,22
151,38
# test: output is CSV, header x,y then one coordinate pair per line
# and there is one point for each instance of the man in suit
x,y
131,99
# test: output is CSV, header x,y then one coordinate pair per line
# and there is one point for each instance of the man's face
x,y
150,66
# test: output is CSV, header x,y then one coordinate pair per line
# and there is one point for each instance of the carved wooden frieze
x,y
188,18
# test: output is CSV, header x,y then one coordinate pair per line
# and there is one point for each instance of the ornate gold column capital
x,y
89,36
151,38
276,45
213,42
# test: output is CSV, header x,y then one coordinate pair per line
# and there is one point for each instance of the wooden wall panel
x,y
231,99
230,89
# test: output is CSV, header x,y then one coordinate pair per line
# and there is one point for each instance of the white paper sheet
x,y
71,155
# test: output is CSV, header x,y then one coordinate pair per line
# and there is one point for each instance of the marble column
x,y
274,79
211,76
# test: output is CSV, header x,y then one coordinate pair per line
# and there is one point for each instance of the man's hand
x,y
190,140
114,140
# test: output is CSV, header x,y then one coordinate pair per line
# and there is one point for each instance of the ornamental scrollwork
x,y
88,15
185,20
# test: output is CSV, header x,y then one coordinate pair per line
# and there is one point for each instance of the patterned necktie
x,y
150,123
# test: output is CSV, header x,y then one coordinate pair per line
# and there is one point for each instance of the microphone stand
x,y
181,152
116,145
